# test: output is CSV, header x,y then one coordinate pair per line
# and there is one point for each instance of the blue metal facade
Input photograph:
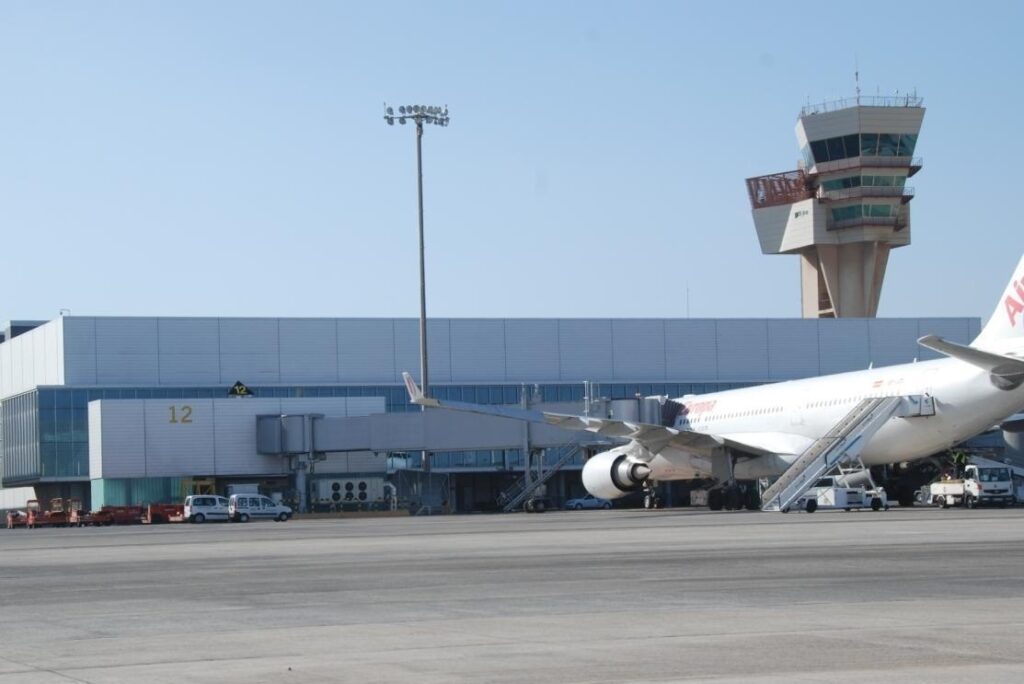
x,y
45,426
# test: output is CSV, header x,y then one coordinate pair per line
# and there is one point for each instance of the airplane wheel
x,y
732,499
812,505
876,504
715,500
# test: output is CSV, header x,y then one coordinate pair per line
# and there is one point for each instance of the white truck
x,y
827,494
979,486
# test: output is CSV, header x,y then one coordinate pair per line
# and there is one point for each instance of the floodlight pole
x,y
420,114
438,116
424,378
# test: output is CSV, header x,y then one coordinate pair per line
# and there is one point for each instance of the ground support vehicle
x,y
164,513
123,515
246,507
979,486
826,494
56,516
82,518
199,508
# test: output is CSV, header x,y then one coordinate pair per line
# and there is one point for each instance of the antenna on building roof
x,y
856,77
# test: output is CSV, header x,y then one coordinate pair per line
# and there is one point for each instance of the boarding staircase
x,y
839,448
513,497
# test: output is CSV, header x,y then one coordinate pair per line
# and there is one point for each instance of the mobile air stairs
x,y
841,447
523,488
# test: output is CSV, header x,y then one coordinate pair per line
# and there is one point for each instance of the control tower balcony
x,y
777,189
912,164
903,193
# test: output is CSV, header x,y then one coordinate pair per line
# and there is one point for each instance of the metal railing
x,y
907,100
865,191
913,163
896,222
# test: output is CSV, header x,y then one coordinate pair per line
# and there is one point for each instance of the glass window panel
x,y
564,393
852,145
47,426
884,181
869,144
899,181
846,213
820,150
888,144
549,392
908,141
80,425
63,424
48,459
46,398
511,395
805,152
62,398
835,149
494,394
880,209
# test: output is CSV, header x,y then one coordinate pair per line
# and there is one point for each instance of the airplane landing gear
x,y
651,498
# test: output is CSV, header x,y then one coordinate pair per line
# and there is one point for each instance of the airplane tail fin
x,y
1007,321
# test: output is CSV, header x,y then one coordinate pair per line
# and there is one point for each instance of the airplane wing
x,y
654,437
996,364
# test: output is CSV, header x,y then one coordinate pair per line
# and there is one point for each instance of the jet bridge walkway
x,y
842,445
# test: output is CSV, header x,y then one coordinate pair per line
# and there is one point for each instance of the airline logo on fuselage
x,y
698,407
1015,305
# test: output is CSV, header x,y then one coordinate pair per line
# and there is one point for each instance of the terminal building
x,y
136,410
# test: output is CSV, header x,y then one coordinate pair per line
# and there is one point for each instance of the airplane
x,y
758,432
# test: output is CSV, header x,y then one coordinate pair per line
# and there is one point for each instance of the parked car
x,y
246,507
200,508
588,501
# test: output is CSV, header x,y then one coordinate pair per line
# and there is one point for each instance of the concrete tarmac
x,y
586,596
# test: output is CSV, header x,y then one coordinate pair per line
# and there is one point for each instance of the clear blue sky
x,y
229,158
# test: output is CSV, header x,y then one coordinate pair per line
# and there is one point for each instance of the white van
x,y
245,507
202,507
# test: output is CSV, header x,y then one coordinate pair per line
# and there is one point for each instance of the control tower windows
x,y
864,145
857,211
868,181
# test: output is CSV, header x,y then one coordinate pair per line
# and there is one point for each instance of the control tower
x,y
847,204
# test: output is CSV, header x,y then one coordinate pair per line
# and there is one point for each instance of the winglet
x,y
416,396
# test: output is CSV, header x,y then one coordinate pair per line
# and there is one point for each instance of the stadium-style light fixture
x,y
438,116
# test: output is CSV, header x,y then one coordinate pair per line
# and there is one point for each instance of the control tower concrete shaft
x,y
847,204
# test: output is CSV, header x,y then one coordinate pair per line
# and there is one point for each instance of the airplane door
x,y
797,409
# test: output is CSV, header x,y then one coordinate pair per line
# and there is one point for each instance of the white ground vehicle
x,y
588,501
980,486
246,507
826,494
202,507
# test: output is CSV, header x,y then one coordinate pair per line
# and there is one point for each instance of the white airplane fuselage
x,y
787,417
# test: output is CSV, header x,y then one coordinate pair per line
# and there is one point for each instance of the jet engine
x,y
613,474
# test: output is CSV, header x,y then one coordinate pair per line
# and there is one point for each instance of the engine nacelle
x,y
613,474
